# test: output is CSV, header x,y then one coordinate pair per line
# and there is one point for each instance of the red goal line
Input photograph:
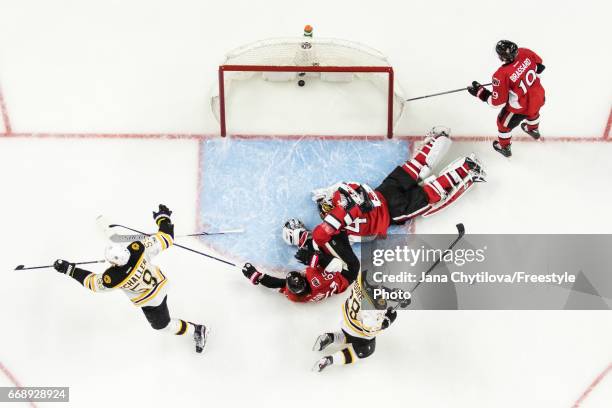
x,y
203,136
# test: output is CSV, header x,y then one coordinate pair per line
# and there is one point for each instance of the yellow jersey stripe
x,y
89,282
150,295
161,240
134,269
167,237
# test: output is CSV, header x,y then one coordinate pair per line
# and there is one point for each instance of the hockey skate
x,y
323,341
535,133
505,151
322,363
476,171
200,336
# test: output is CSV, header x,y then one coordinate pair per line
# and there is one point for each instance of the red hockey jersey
x,y
354,221
517,84
323,285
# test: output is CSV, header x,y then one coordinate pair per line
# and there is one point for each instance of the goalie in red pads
x,y
352,212
409,191
517,90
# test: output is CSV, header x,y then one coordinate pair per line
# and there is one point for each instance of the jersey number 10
x,y
530,78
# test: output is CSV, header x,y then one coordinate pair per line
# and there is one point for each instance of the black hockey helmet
x,y
506,50
296,283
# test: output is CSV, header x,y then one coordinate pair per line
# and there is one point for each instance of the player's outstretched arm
x,y
90,280
256,277
164,238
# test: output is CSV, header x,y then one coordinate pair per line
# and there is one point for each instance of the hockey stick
x,y
461,232
442,93
23,268
222,232
176,245
138,237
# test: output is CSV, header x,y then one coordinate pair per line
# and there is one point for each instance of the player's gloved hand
x,y
163,212
540,68
390,316
405,303
304,255
479,91
251,273
474,88
64,267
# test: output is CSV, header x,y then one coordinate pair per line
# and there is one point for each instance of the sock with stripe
x,y
180,327
533,123
345,356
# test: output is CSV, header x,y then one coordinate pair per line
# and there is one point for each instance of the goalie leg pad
x,y
455,181
449,198
427,156
461,171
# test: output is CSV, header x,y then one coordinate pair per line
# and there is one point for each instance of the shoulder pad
x,y
114,275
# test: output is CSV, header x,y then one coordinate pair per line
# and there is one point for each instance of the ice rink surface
x,y
271,181
122,73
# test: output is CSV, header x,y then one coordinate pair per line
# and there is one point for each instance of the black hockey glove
x,y
540,68
473,89
367,204
251,273
390,317
304,255
479,91
163,212
64,267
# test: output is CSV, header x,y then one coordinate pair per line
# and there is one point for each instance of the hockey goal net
x,y
299,61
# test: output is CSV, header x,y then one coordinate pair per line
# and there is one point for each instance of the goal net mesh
x,y
330,60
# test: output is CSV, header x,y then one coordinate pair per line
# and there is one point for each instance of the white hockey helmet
x,y
117,254
293,230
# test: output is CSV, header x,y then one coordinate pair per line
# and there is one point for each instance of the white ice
x,y
147,67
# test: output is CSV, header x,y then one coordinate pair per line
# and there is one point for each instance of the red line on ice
x,y
591,387
5,117
199,182
606,134
14,380
205,136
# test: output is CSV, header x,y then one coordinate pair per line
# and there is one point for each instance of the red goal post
x,y
295,58
271,68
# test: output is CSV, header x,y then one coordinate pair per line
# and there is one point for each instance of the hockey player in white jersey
x,y
131,271
357,337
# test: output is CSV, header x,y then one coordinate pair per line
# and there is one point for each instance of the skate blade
x,y
200,349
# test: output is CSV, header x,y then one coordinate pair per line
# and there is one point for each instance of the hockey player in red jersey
x,y
409,191
324,277
517,90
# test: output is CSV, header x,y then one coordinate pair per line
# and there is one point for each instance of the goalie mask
x,y
294,232
117,254
297,284
325,205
